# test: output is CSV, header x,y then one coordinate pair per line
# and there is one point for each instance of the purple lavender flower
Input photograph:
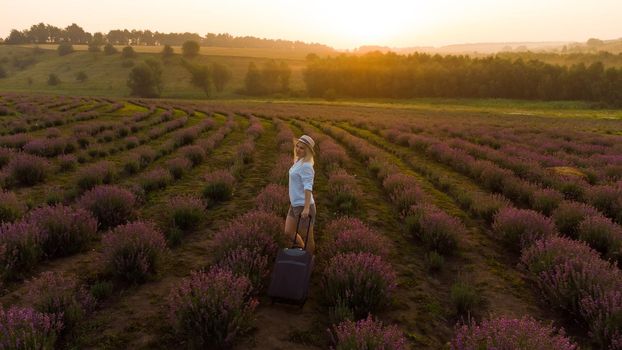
x,y
362,282
24,328
66,230
510,334
133,251
520,228
212,308
367,334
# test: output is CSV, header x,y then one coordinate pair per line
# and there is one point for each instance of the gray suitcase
x,y
292,273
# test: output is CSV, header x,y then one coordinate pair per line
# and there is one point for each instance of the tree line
x,y
422,75
44,34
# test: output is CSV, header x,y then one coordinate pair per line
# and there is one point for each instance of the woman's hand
x,y
305,213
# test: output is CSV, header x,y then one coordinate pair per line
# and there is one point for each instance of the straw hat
x,y
307,140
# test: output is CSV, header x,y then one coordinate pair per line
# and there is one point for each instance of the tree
x,y
53,79
98,39
16,37
128,52
39,33
76,34
200,76
284,74
145,80
270,76
190,48
81,76
64,48
252,81
109,49
221,75
167,51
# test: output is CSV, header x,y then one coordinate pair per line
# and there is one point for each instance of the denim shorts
x,y
294,212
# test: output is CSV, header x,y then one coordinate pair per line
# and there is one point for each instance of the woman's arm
x,y
305,210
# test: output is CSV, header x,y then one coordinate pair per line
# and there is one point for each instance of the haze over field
x,y
341,24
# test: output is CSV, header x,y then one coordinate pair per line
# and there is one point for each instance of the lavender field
x,y
145,224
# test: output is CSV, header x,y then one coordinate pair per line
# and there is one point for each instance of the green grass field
x,y
107,75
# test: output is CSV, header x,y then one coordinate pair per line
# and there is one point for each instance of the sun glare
x,y
364,22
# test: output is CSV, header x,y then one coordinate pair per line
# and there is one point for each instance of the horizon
x,y
345,25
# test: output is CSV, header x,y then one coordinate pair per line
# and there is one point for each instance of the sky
x,y
342,24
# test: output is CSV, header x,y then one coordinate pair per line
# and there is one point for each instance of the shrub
x,y
567,271
506,333
185,136
344,191
212,308
546,200
278,174
608,199
178,166
100,173
603,235
487,205
569,215
155,179
436,229
360,281
465,298
146,155
61,296
247,245
249,263
21,248
131,142
11,208
602,313
25,328
81,76
519,228
273,198
47,147
67,162
350,235
66,230
253,230
434,261
190,48
132,252
245,151
27,170
195,154
131,165
109,49
5,156
53,79
367,334
184,212
128,52
64,48
111,205
219,186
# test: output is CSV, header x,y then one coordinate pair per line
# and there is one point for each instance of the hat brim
x,y
303,141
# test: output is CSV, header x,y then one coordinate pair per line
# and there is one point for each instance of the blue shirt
x,y
300,179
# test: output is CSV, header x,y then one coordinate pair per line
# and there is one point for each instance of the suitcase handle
x,y
296,232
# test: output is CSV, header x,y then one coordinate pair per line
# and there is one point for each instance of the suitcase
x,y
292,273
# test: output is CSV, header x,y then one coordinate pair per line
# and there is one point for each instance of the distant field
x,y
107,76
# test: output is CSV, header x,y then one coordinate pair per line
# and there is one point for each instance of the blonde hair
x,y
308,153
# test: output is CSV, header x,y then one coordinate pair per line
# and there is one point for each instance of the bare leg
x,y
290,228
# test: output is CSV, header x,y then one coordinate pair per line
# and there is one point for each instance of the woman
x,y
301,194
